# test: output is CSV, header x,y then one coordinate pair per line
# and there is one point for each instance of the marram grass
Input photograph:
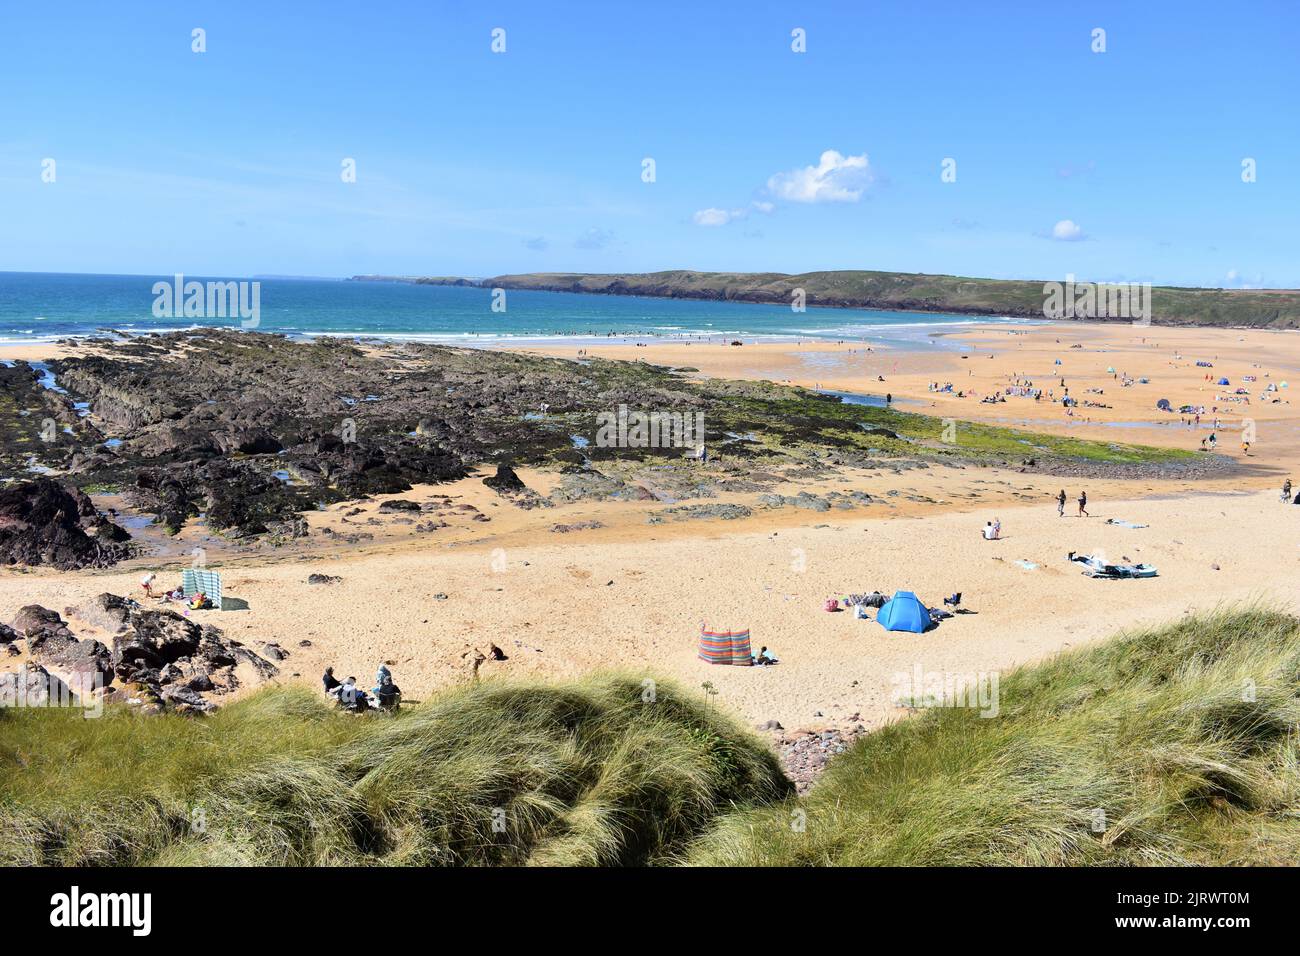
x,y
493,773
1174,745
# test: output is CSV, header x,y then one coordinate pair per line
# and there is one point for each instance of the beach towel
x,y
1027,565
1125,524
725,647
201,581
1095,568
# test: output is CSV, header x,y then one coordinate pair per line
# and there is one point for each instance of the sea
x,y
41,307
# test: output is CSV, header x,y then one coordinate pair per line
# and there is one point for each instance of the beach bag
x,y
832,604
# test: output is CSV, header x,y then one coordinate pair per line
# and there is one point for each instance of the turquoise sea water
x,y
45,306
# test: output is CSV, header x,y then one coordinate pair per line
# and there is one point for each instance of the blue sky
x,y
1122,165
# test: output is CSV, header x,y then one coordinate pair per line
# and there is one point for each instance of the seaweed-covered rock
x,y
41,523
505,481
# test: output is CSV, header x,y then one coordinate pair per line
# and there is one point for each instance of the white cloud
x,y
716,217
713,216
835,178
1067,230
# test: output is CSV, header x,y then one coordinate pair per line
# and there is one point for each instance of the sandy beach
x,y
619,593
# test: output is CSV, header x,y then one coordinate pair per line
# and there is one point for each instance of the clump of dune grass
x,y
1175,745
595,772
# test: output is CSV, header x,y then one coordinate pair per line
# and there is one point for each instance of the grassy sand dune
x,y
494,773
1168,746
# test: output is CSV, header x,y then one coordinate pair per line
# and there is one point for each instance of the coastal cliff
x,y
909,292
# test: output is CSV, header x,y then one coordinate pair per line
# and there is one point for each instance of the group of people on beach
x,y
196,602
385,695
1083,504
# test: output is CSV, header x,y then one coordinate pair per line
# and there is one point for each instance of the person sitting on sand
x,y
990,533
763,658
387,695
351,696
329,681
146,584
383,674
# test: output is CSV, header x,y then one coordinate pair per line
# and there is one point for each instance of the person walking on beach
x,y
1286,491
1083,504
1060,504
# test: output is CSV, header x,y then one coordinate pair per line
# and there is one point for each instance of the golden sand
x,y
632,595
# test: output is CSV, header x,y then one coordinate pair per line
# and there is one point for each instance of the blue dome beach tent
x,y
904,612
1163,405
1224,381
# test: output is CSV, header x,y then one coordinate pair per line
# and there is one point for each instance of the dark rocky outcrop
x,y
42,522
33,686
106,611
251,430
505,481
35,622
